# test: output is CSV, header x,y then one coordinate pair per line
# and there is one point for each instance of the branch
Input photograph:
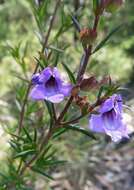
x,y
36,68
82,69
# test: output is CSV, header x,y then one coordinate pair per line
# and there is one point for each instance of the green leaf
x,y
50,155
16,136
35,135
49,107
42,63
25,153
27,134
103,42
40,171
81,130
100,92
59,132
55,49
69,72
19,77
13,145
56,59
4,176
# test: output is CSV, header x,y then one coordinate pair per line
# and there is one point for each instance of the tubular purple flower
x,y
110,120
49,86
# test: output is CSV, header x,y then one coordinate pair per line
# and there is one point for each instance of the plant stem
x,y
54,112
83,66
96,21
65,109
90,109
81,72
82,69
36,156
36,68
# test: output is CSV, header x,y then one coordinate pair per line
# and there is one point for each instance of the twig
x,y
83,68
36,68
37,156
52,130
54,112
96,21
81,71
65,109
90,109
73,120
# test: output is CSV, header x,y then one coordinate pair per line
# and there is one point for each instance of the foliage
x,y
50,37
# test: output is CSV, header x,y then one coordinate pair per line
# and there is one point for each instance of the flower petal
x,y
56,98
35,78
46,74
96,124
37,93
66,89
118,104
110,120
117,135
116,130
107,105
56,73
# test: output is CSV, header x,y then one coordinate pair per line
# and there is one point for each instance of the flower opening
x,y
49,86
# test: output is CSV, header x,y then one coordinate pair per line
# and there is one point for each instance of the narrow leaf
x,y
27,134
100,92
82,130
16,136
55,49
103,42
24,153
40,171
59,132
35,135
69,72
49,107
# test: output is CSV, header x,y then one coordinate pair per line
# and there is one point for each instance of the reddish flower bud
x,y
89,83
75,91
87,36
83,103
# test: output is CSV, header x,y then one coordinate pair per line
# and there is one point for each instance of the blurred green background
x,y
18,28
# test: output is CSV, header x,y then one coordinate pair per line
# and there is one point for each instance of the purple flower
x,y
49,86
110,119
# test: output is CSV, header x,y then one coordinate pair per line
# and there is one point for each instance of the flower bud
x,y
113,5
83,103
87,36
75,91
89,83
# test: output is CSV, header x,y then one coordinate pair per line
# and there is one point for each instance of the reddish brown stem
x,y
96,21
